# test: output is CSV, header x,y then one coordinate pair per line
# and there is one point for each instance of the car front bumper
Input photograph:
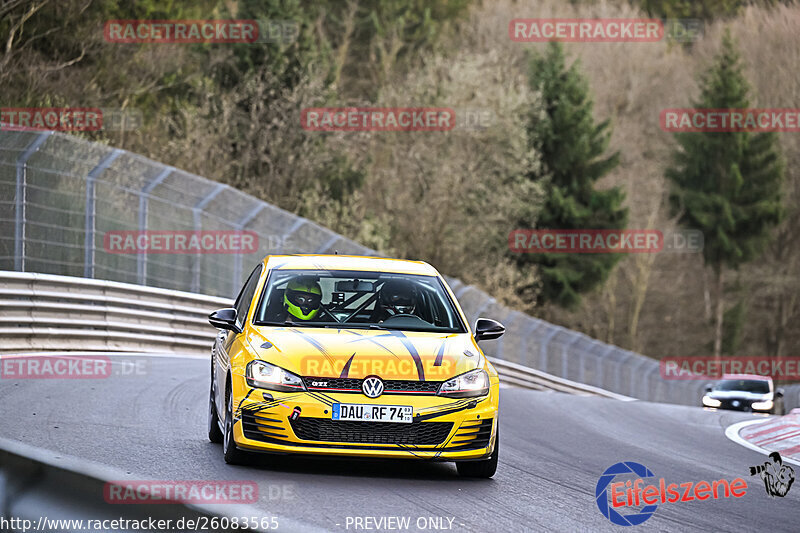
x,y
739,405
444,429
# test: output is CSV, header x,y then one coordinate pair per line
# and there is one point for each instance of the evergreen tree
x,y
572,149
728,185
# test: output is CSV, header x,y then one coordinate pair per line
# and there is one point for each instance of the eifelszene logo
x,y
643,499
602,496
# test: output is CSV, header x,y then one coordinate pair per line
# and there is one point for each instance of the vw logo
x,y
372,387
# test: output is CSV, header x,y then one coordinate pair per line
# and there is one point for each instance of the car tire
x,y
481,469
233,455
214,433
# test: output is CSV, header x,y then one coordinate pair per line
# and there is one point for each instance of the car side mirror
x,y
708,388
224,319
779,393
488,329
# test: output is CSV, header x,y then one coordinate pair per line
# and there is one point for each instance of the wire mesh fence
x,y
61,197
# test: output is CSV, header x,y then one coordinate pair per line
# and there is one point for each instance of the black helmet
x,y
399,296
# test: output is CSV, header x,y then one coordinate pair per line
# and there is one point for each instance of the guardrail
x,y
530,378
49,312
43,490
55,313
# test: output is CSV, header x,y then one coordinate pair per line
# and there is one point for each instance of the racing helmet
x,y
398,296
303,297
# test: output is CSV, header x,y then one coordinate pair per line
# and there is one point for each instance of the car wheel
x,y
233,455
214,433
482,469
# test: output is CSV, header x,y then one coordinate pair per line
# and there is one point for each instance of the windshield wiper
x,y
343,325
423,329
288,323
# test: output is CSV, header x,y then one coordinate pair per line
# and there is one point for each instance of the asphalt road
x,y
152,423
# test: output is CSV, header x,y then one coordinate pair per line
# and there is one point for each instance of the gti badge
x,y
372,387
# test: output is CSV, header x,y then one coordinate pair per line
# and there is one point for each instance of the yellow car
x,y
353,357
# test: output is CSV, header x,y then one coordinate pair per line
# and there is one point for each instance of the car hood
x,y
739,395
358,353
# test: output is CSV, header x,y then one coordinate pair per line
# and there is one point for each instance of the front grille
x,y
398,386
344,384
744,405
352,385
324,430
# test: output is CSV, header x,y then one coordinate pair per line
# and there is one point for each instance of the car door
x,y
226,338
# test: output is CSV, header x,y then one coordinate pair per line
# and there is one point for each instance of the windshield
x,y
758,386
357,299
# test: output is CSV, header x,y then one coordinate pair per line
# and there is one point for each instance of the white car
x,y
744,392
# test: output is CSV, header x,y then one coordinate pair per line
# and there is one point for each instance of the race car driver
x,y
302,298
396,297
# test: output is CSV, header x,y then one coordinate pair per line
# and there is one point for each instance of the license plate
x,y
372,413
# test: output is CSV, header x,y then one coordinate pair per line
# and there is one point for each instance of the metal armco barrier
x,y
529,378
48,312
55,492
60,195
44,312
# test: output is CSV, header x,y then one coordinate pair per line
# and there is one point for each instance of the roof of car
x,y
348,262
747,376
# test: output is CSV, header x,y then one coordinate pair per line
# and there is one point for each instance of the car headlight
x,y
472,383
765,406
708,401
266,376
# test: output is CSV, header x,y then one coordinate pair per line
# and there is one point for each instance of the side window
x,y
246,296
